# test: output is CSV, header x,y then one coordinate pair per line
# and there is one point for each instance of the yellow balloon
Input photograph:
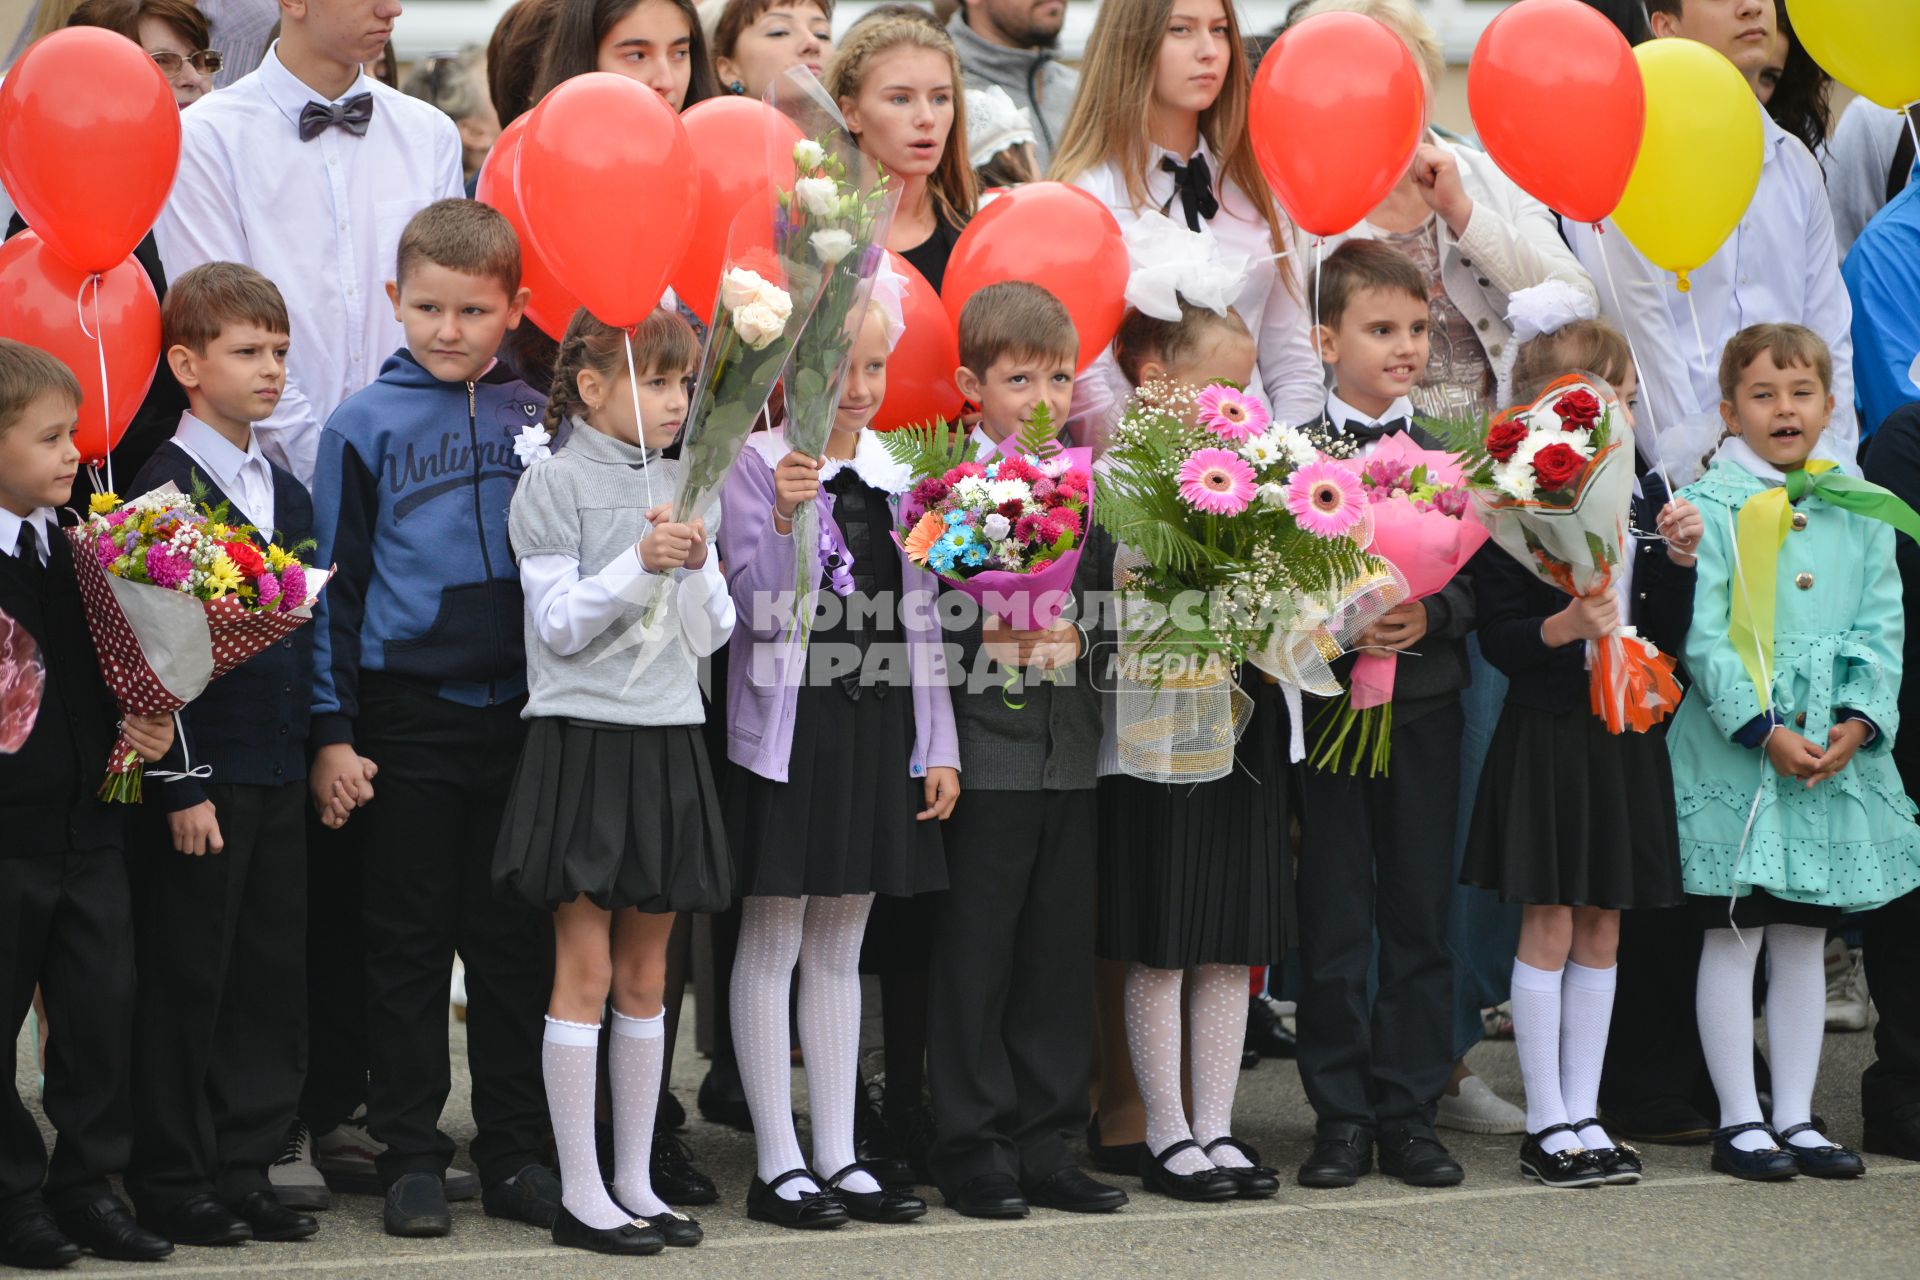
x,y
1870,46
1699,159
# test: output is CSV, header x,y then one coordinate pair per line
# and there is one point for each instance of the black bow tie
x,y
352,115
1368,432
1193,183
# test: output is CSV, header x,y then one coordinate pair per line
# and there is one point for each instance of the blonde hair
x,y
661,343
950,185
1018,319
1587,346
1401,18
1113,109
1788,344
26,374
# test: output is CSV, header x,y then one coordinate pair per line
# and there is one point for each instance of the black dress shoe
x,y
1119,1157
1209,1184
883,1205
1266,1034
672,1115
1069,1189
200,1220
1895,1134
531,1196
1829,1161
417,1207
814,1210
674,1175
1621,1163
1253,1181
629,1239
991,1195
1414,1154
1668,1121
875,1145
271,1220
1768,1164
1574,1167
677,1229
912,1128
722,1101
32,1241
1342,1153
106,1230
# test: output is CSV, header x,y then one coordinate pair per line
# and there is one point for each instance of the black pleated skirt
x,y
1571,815
1202,873
626,815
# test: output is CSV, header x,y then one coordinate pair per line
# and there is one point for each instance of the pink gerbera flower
x,y
1326,498
1229,414
1217,482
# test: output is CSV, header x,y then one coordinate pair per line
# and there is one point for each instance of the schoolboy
x,y
1375,854
1017,351
419,669
63,881
219,862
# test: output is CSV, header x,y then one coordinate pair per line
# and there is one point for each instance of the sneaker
x,y
346,1156
1846,988
296,1183
1497,1022
1267,1032
1478,1109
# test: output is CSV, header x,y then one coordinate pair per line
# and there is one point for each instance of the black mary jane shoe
x,y
629,1239
884,1205
677,1229
1255,1181
1210,1184
1620,1162
814,1210
1829,1161
1574,1167
1768,1164
1118,1157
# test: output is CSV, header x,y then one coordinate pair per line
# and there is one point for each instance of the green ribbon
x,y
1764,521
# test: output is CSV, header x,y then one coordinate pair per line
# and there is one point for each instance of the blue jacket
x,y
1882,272
410,504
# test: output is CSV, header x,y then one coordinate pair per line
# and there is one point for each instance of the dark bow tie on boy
x,y
352,115
1193,184
1345,421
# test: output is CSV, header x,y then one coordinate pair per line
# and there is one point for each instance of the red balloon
x,y
1566,129
1338,110
550,307
920,386
606,181
1052,235
89,141
46,303
742,150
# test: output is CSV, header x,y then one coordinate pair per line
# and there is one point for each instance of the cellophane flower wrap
x,y
1553,482
1240,544
23,680
176,596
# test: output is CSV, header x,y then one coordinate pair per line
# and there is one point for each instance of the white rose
x,y
756,325
831,244
774,299
818,196
808,154
996,527
740,286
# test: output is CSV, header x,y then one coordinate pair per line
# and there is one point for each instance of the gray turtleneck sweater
x,y
1033,78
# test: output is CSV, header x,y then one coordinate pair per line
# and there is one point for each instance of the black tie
x,y
352,115
27,551
1193,182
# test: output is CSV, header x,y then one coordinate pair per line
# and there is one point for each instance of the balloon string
x,y
639,426
1319,247
1913,126
99,335
1699,338
1626,329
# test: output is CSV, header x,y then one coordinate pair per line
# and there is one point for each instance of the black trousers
x,y
430,832
336,1083
220,1021
1375,859
1653,1046
1010,1040
65,925
1892,950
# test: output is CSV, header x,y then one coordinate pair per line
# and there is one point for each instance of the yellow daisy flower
x,y
278,559
223,575
101,503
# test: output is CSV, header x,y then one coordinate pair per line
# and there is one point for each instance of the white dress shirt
x,y
1858,160
1288,376
321,219
244,475
1341,416
1778,266
42,520
570,611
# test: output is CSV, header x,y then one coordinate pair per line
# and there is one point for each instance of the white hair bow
x,y
1170,263
1540,309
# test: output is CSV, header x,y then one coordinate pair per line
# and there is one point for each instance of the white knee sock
x,y
1586,1013
570,1062
635,1059
1723,1004
1153,1042
1796,1024
762,974
830,1029
1536,1034
1216,1033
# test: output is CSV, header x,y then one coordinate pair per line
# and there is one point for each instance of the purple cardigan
x,y
765,662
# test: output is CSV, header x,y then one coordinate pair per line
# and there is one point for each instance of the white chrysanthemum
x,y
1515,478
1274,495
972,491
1000,491
1261,450
1297,446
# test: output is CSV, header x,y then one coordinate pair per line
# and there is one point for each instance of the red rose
x,y
1557,465
1504,439
246,557
1578,409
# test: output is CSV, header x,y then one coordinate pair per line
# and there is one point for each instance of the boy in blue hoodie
x,y
419,672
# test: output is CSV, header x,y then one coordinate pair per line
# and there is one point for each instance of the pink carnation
x,y
1027,528
166,568
293,588
117,517
1067,517
930,491
1016,469
965,470
107,551
1074,484
1044,490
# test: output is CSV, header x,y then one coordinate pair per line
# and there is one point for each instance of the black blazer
x,y
48,800
250,726
1893,462
1513,604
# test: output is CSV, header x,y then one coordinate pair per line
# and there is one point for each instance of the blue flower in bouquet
x,y
975,554
957,519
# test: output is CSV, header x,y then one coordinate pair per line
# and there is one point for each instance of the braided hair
x,y
661,343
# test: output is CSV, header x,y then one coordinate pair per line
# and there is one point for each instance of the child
x,y
419,668
1200,348
615,740
847,765
219,866
1570,820
1809,704
1017,351
1373,859
63,883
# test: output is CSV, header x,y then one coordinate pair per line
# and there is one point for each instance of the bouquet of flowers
x,y
1554,484
1423,525
1242,544
23,679
178,595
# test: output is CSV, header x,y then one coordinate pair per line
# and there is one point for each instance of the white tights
x,y
1796,1023
1217,1028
